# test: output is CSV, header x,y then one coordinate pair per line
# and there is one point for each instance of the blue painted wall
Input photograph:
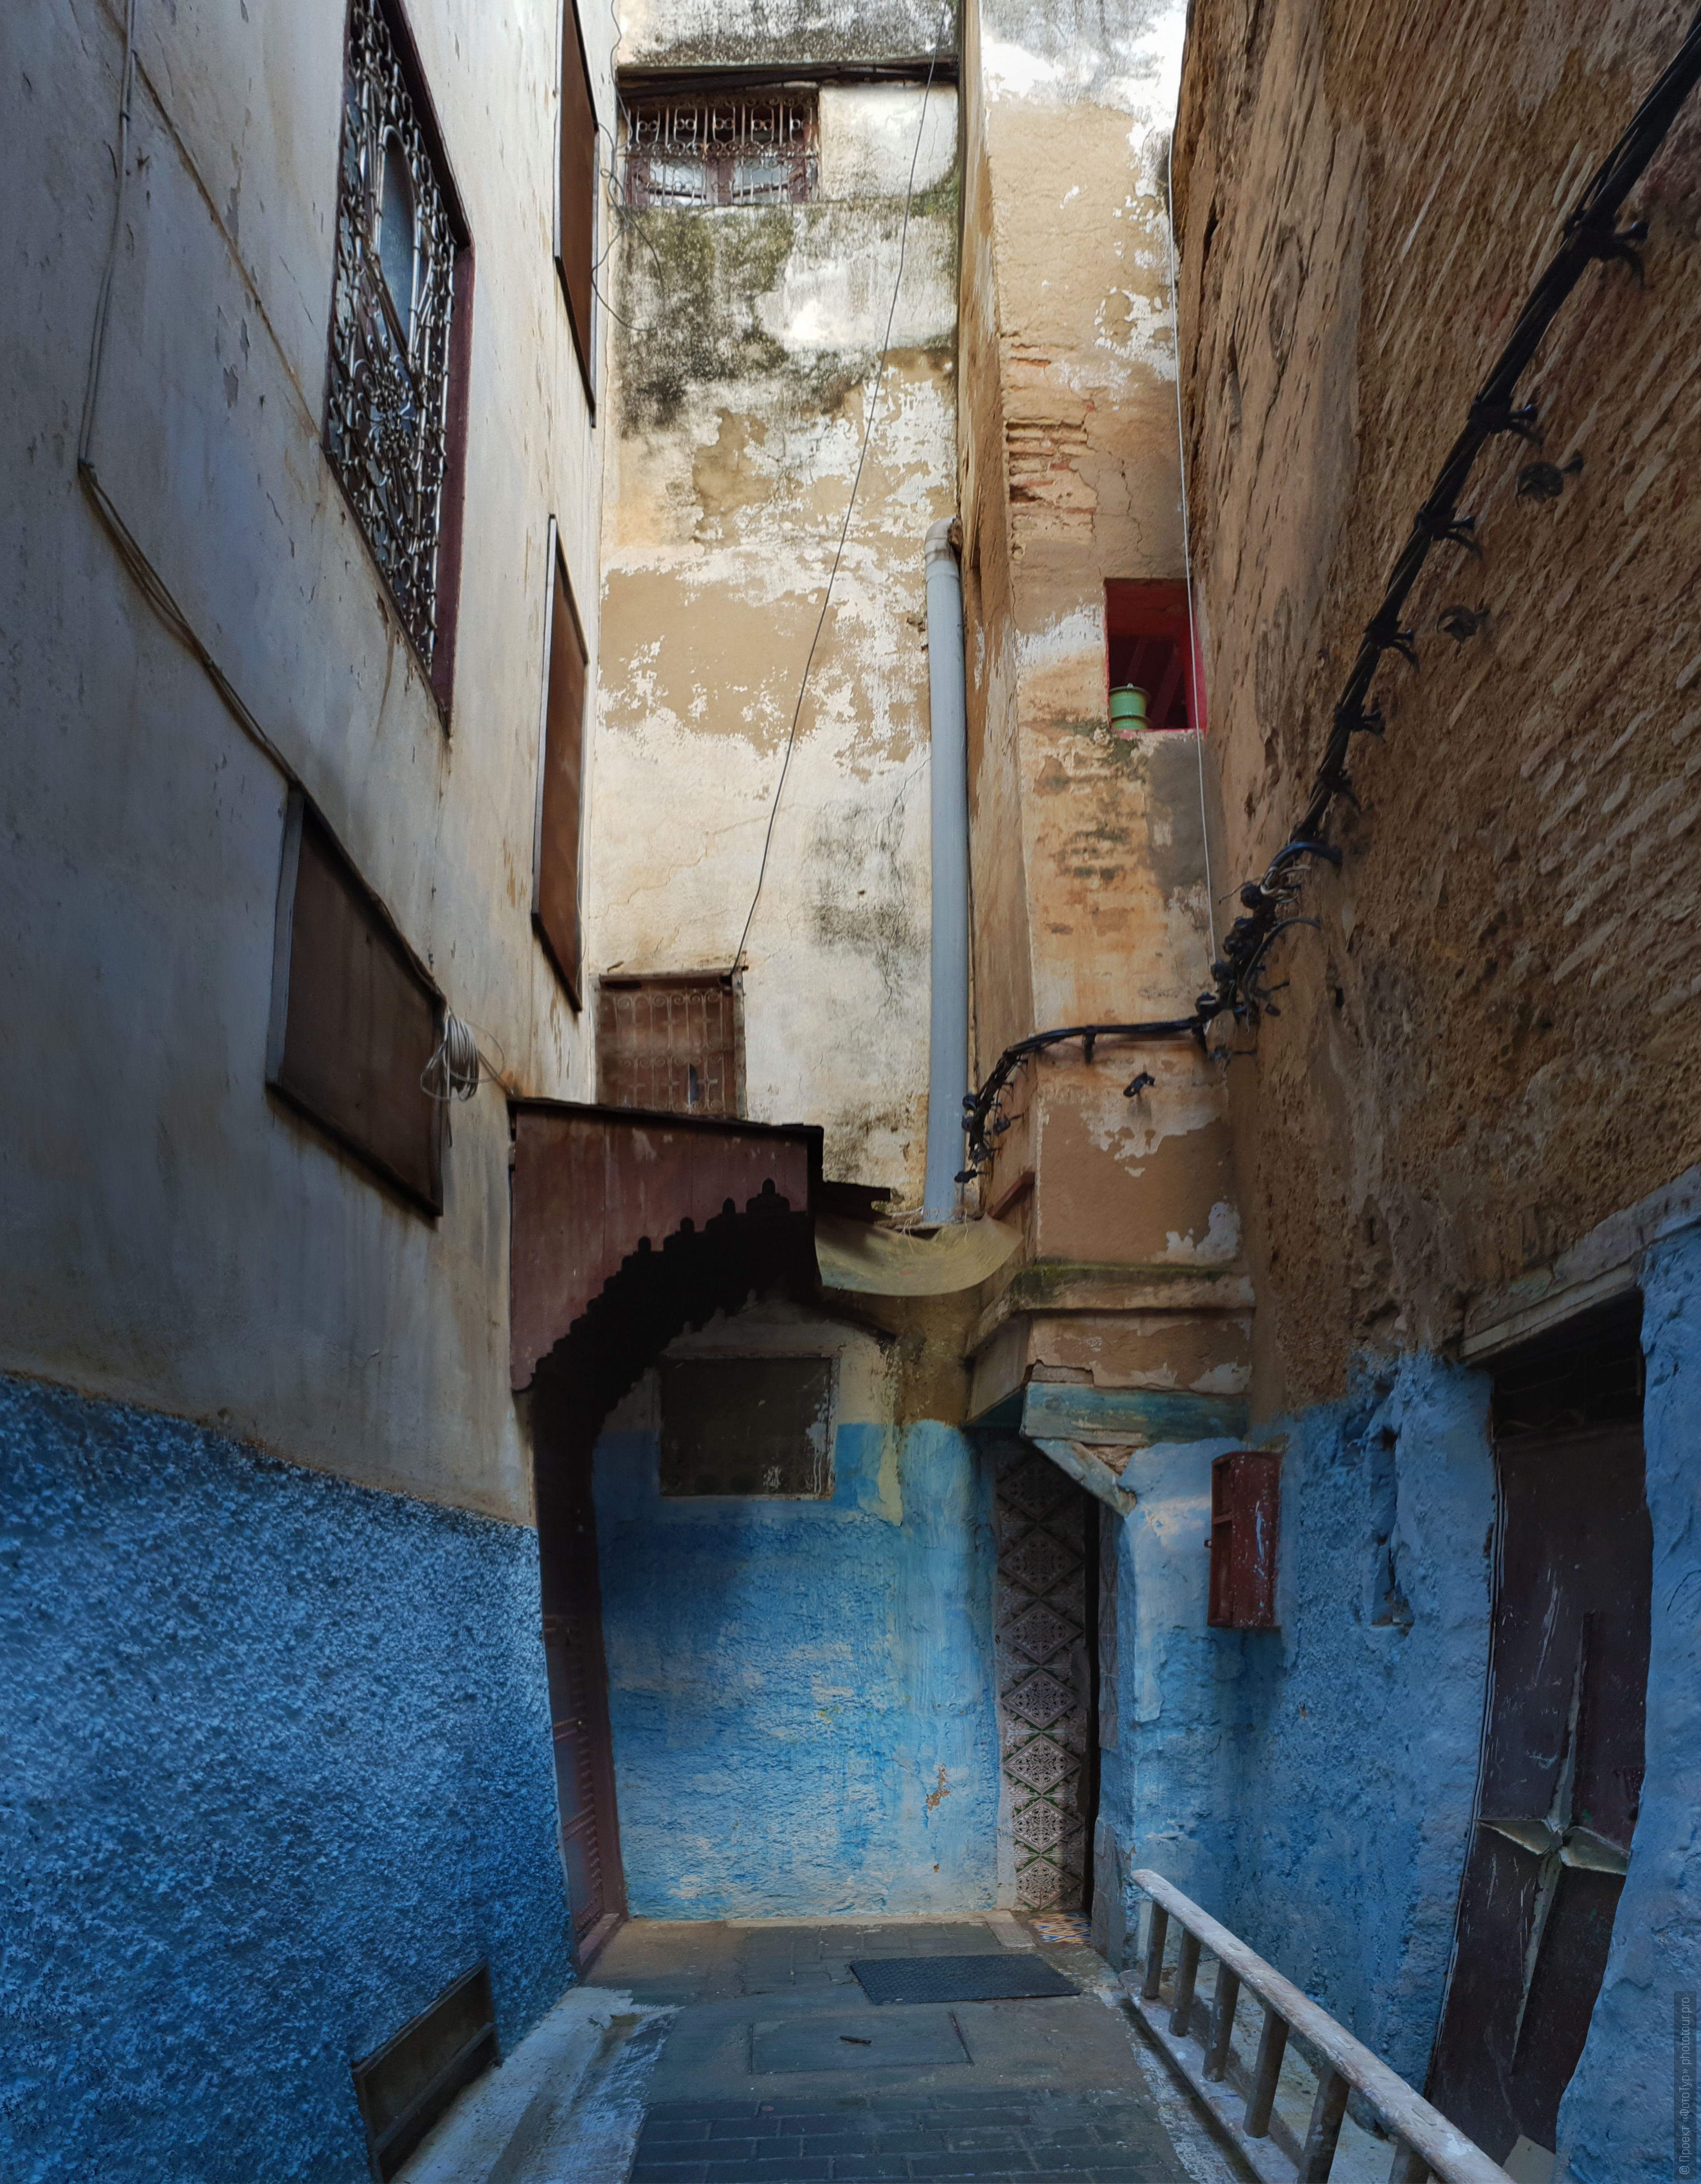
x,y
1616,2122
274,1768
1312,1785
802,1692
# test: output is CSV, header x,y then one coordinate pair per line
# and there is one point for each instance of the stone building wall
x,y
1489,1047
1475,1111
802,1691
1088,854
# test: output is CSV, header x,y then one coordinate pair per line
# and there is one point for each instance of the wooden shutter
x,y
672,1045
576,214
354,1018
560,774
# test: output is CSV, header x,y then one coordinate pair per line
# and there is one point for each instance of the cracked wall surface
x,y
747,362
1088,845
1490,1045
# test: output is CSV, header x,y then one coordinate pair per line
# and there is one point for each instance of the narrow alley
x,y
850,1318
751,2054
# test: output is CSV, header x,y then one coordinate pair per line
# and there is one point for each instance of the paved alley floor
x,y
776,2069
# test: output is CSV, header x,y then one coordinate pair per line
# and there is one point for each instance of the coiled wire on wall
x,y
458,1065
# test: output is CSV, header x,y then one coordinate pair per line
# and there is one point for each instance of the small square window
x,y
1152,666
673,1045
755,1426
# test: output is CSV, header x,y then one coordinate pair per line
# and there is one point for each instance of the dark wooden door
x,y
578,1685
1561,1778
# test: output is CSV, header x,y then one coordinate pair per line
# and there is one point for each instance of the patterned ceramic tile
x,y
1042,1673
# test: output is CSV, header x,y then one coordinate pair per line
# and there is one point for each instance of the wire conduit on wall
x,y
948,1020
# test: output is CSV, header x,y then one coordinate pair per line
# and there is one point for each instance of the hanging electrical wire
x,y
1591,235
857,480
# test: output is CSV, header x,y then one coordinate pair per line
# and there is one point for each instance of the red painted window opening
x,y
1149,642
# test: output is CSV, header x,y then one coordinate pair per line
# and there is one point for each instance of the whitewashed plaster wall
x,y
173,1237
742,380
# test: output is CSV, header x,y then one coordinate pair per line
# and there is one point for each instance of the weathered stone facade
x,y
1489,1047
1089,892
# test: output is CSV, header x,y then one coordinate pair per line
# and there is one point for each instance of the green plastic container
x,y
1128,708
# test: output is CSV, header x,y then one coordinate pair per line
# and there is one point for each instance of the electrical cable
x,y
98,341
851,504
1196,711
1590,236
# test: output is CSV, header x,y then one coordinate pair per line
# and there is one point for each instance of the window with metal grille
x,y
748,1426
1150,657
673,1045
735,149
392,423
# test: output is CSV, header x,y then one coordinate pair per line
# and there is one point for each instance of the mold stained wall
x,y
802,1692
1088,854
740,392
241,1697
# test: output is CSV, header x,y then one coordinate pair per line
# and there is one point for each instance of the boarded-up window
x,y
561,781
748,1425
354,1018
673,1045
576,213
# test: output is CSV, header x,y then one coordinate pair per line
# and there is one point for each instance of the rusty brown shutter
x,y
353,1019
560,772
671,1045
576,227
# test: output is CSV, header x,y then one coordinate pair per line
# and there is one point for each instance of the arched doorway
x,y
627,1228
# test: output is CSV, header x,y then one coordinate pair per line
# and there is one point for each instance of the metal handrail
x,y
1426,2144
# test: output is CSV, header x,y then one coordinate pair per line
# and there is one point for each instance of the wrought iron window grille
x,y
759,149
387,416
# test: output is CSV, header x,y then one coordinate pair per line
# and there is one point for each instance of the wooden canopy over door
x,y
626,1228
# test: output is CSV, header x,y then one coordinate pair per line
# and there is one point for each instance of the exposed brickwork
x,y
1490,1045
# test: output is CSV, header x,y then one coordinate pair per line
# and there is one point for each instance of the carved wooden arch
x,y
628,1228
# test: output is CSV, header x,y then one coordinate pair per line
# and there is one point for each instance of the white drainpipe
x,y
948,1040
